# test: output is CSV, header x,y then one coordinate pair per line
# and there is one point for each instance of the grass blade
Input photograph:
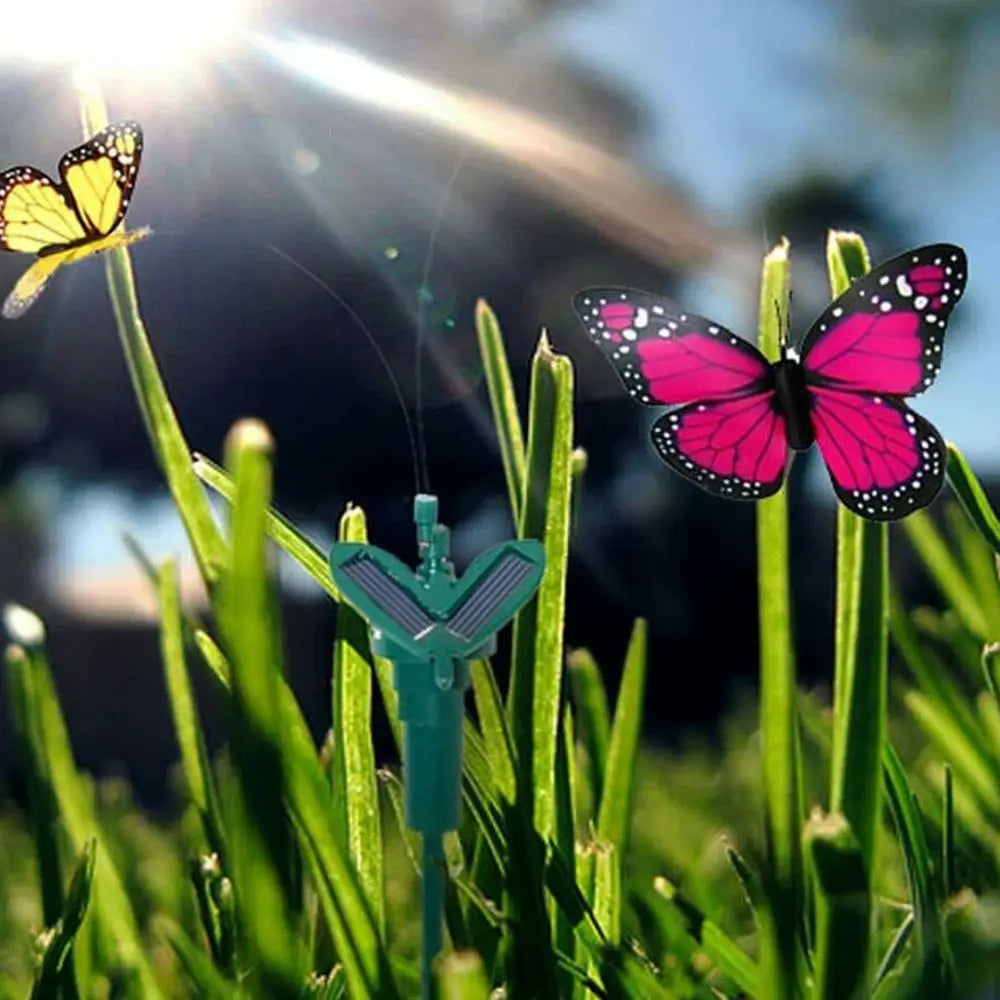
x,y
504,404
355,789
615,813
60,937
116,928
166,437
590,709
972,497
860,679
190,739
536,671
843,917
778,722
493,723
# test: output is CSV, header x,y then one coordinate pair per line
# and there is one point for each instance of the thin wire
x,y
418,392
383,360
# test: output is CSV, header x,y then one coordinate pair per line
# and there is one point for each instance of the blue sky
x,y
743,95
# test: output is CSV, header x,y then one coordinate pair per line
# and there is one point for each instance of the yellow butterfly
x,y
67,220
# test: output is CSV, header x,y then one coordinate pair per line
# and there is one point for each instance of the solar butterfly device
x,y
431,623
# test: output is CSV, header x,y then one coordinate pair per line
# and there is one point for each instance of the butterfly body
x,y
75,217
792,397
737,416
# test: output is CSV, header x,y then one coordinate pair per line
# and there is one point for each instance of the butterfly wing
x,y
35,213
885,333
663,357
32,283
100,176
885,461
733,448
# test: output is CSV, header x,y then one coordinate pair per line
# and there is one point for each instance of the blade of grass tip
x,y
280,530
460,976
166,436
117,928
190,739
578,470
615,812
536,670
354,785
781,754
60,938
43,810
842,908
972,497
590,707
860,658
503,401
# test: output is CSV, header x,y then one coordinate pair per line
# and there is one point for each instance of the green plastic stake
x,y
430,624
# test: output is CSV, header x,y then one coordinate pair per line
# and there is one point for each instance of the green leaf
x,y
60,938
260,840
207,981
355,789
590,709
972,497
504,404
860,688
190,739
536,672
779,733
493,723
843,915
116,925
731,959
615,813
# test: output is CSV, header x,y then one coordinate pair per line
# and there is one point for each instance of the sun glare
x,y
120,35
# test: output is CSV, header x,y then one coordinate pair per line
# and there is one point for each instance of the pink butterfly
x,y
879,342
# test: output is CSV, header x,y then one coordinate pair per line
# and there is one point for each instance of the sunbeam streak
x,y
602,189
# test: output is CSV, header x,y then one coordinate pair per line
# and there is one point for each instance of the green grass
x,y
818,850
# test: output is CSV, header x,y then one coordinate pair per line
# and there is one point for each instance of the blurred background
x,y
413,155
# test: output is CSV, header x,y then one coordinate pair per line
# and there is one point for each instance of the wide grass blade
x,y
504,403
536,671
860,666
260,840
208,982
781,754
493,725
194,758
169,446
355,788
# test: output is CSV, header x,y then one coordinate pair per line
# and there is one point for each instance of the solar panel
x,y
387,593
491,592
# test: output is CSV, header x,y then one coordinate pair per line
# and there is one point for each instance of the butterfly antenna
x,y
383,360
